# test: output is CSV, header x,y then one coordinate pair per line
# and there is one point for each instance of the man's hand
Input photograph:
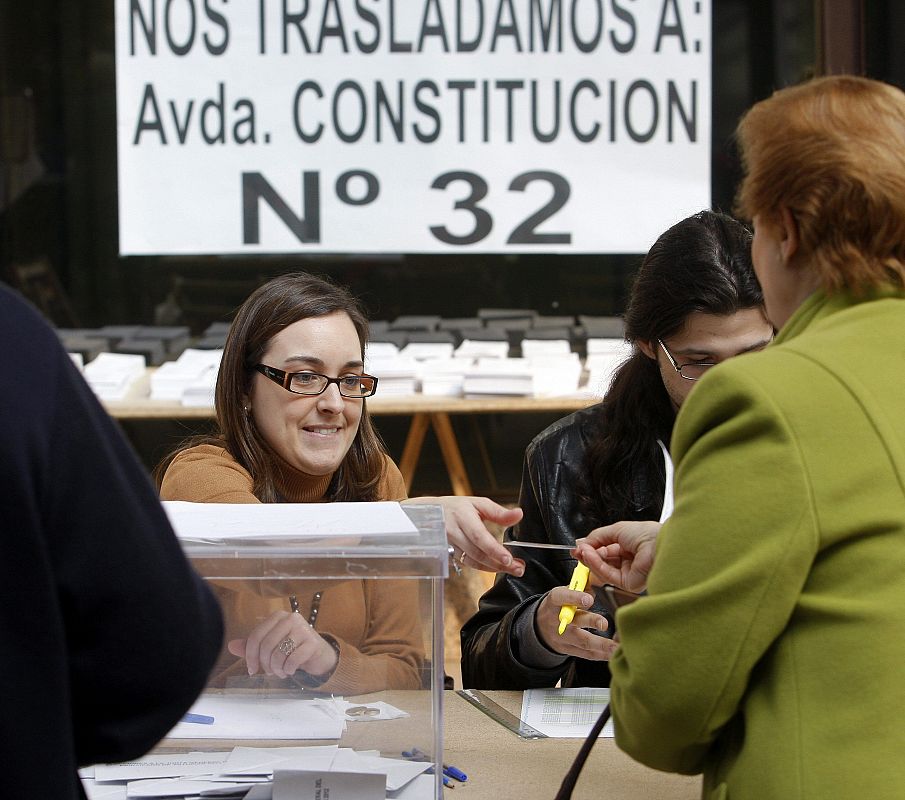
x,y
575,641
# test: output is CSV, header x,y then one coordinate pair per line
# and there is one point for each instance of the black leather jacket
x,y
554,462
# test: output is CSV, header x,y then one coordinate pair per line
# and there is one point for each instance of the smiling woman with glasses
x,y
291,404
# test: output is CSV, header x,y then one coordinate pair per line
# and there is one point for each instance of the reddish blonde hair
x,y
832,151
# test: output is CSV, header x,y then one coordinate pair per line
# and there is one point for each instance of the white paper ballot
x,y
335,785
223,521
181,787
566,713
260,791
251,717
397,772
263,761
421,788
103,791
173,765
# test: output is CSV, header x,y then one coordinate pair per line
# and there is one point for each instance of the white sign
x,y
276,126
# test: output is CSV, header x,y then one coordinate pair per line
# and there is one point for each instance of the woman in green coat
x,y
769,653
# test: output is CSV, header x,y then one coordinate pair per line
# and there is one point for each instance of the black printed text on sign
x,y
267,126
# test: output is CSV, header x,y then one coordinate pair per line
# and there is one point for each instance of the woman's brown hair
x,y
832,152
272,307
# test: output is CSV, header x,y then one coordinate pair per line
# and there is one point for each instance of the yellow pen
x,y
578,583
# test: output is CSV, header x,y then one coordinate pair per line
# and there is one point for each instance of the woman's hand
x,y
621,554
284,643
476,546
575,641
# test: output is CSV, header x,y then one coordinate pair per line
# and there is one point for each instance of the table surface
x,y
138,404
496,760
499,764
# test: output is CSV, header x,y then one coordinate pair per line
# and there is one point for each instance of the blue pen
x,y
201,719
454,772
419,755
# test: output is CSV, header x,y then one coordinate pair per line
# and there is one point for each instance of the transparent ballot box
x,y
346,602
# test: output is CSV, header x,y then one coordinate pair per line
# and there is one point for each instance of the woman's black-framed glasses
x,y
354,387
693,371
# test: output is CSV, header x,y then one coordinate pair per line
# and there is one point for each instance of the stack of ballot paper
x,y
397,375
111,375
540,375
261,773
443,376
422,351
172,378
265,773
604,358
545,347
200,392
499,376
478,348
379,350
556,373
609,346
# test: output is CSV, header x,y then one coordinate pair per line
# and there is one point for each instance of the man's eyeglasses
x,y
691,371
355,387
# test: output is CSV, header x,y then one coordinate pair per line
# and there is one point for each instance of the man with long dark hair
x,y
694,302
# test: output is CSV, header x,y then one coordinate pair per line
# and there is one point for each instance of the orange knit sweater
x,y
375,622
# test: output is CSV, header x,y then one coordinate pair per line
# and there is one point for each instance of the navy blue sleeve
x,y
108,633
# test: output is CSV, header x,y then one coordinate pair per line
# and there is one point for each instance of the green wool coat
x,y
770,652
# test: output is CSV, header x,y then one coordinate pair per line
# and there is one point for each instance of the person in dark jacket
x,y
694,302
108,634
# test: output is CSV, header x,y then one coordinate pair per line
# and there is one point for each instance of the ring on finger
x,y
454,560
287,646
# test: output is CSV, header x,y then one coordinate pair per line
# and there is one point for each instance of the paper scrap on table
x,y
354,711
288,785
566,713
222,521
251,717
